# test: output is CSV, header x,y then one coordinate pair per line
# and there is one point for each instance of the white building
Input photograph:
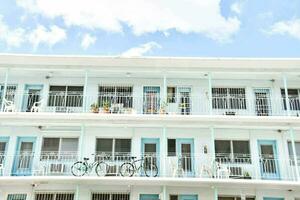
x,y
204,128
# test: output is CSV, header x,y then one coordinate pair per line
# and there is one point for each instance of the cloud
x,y
290,27
40,35
184,16
237,7
141,50
11,37
87,41
49,37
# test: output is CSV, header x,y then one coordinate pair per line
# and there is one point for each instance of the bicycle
x,y
128,169
80,168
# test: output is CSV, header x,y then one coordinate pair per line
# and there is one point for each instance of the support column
x,y
287,104
165,197
77,192
294,152
85,91
215,193
81,140
209,93
164,152
165,89
4,89
213,155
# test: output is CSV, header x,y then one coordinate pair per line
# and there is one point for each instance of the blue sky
x,y
227,28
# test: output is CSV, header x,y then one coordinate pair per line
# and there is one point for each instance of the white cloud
x,y
237,7
41,35
141,50
290,27
185,16
11,37
87,41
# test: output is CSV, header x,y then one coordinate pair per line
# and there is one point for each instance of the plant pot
x,y
95,110
247,177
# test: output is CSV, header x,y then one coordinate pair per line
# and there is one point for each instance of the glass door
x,y
24,156
262,102
32,95
268,159
151,100
150,152
184,96
149,197
185,155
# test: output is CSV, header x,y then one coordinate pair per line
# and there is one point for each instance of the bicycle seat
x,y
85,159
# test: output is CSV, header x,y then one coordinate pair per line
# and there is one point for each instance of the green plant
x,y
106,106
95,107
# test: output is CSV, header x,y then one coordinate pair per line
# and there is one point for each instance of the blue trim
x,y
26,89
28,171
273,198
275,176
188,197
6,140
190,141
149,197
152,141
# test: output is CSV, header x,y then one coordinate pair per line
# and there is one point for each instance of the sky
x,y
130,28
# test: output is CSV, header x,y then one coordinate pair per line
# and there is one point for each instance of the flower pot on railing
x,y
95,108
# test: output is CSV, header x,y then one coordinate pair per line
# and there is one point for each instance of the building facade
x,y
111,128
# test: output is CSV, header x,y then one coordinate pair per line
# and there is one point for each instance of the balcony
x,y
150,104
151,165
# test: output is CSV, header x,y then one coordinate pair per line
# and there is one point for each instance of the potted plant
x,y
106,107
247,175
95,108
163,107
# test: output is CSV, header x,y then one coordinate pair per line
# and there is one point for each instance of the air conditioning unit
x,y
57,168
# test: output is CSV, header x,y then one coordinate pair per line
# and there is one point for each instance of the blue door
x,y
149,197
31,95
185,153
24,156
151,100
188,197
268,159
150,151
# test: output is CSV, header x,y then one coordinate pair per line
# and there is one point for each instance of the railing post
x,y
286,95
209,92
81,139
4,89
85,91
291,130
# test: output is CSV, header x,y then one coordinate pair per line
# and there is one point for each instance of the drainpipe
x,y
5,89
85,91
209,93
294,152
286,95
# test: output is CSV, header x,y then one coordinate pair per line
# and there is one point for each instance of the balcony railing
x,y
148,165
185,105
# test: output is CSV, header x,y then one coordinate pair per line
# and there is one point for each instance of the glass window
x,y
50,144
54,196
229,98
104,145
122,146
2,147
54,147
117,96
297,146
116,147
232,151
110,196
65,96
171,147
293,96
16,197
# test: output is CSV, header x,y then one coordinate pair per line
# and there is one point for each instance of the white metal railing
x,y
151,103
54,196
239,166
110,195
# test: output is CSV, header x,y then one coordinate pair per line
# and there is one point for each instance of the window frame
x,y
115,94
225,101
66,94
113,151
282,92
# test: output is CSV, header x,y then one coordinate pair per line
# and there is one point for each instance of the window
x,y
293,96
65,96
121,95
2,151
171,147
235,198
10,92
54,196
171,92
62,147
117,148
232,151
16,197
110,196
229,98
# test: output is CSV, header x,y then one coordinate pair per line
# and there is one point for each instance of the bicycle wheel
x,y
79,168
127,169
151,170
101,169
